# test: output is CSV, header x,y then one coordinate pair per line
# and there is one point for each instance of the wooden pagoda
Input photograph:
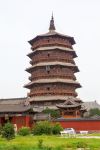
x,y
52,73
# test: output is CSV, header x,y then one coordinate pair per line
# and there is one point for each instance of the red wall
x,y
90,125
21,121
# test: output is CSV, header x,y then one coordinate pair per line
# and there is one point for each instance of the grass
x,y
94,134
49,143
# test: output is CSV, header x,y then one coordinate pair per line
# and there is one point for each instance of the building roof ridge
x,y
19,98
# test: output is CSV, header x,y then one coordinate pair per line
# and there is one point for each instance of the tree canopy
x,y
94,111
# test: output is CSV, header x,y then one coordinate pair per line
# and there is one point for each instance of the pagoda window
x,y
48,88
48,54
48,72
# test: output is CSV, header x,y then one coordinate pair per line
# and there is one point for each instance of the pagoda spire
x,y
52,26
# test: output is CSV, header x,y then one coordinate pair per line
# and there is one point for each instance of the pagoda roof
x,y
52,98
91,105
14,105
83,108
51,64
69,103
52,33
12,100
53,48
68,81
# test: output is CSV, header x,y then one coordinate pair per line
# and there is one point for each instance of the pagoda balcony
x,y
43,59
73,67
52,93
46,76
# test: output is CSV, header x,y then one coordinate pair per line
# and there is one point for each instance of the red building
x,y
16,110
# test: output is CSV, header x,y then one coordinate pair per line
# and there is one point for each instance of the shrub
x,y
40,143
8,131
42,127
81,145
56,128
1,129
24,131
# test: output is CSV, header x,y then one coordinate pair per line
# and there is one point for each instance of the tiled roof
x,y
12,100
91,105
52,48
68,106
53,33
14,105
69,103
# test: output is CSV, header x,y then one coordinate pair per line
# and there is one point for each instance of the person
x,y
15,128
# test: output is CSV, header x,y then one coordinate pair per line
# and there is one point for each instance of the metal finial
x,y
52,16
52,26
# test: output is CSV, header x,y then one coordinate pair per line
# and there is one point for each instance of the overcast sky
x,y
22,20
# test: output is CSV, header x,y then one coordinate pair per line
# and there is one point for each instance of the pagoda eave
x,y
52,34
69,106
52,98
29,69
46,48
57,80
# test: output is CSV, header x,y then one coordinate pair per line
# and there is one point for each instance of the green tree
x,y
52,112
94,111
42,127
56,128
8,131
